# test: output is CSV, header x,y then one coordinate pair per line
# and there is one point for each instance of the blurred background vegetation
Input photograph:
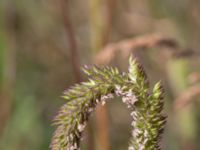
x,y
43,43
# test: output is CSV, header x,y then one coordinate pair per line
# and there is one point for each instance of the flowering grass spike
x,y
104,83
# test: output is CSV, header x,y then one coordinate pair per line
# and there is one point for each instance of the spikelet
x,y
104,83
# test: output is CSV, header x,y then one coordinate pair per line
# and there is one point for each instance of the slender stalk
x,y
9,64
101,28
75,59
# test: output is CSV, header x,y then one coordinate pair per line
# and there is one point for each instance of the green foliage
x,y
105,82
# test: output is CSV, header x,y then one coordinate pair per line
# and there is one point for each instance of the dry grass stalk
x,y
187,97
128,45
194,77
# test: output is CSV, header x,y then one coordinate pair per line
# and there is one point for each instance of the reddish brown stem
x,y
75,60
9,69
